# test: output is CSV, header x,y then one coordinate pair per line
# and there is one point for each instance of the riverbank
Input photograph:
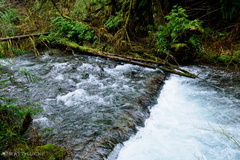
x,y
113,29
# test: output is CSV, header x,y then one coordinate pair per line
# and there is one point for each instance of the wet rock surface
x,y
226,78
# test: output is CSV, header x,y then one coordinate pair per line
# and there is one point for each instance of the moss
x,y
178,46
136,55
225,58
51,151
236,55
76,46
150,55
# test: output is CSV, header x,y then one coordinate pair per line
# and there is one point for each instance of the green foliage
x,y
236,56
179,30
227,59
11,119
115,21
12,116
8,18
9,49
142,3
77,32
51,151
230,8
82,9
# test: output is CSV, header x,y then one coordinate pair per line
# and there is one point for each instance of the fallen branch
x,y
23,36
138,61
131,60
158,61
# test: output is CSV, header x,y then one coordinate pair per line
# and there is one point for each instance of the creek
x,y
191,120
91,105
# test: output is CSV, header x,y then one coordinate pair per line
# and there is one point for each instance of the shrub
x,y
11,122
179,31
8,18
115,21
14,119
63,28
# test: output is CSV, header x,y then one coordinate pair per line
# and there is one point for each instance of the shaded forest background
x,y
183,31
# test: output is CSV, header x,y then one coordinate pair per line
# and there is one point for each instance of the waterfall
x,y
192,120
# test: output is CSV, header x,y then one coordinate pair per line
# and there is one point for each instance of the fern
x,y
11,118
230,8
12,115
70,30
175,31
113,22
8,19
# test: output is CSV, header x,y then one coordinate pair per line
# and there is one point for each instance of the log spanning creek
x,y
97,108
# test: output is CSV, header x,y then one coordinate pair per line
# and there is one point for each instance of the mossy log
x,y
23,36
138,61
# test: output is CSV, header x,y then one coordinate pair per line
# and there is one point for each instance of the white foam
x,y
180,128
119,69
72,98
86,66
78,97
59,77
43,121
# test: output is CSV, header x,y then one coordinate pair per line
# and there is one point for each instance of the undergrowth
x,y
220,47
12,116
15,121
65,29
8,20
179,32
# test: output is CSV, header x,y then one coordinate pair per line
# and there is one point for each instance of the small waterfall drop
x,y
192,120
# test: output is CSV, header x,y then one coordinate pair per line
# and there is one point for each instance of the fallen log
x,y
157,61
131,60
23,36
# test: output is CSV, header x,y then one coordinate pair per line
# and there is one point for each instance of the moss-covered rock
x,y
51,152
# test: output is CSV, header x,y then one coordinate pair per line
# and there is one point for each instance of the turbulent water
x,y
89,103
193,119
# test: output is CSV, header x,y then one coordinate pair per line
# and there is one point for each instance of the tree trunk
x,y
114,7
141,16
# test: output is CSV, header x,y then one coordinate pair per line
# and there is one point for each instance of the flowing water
x,y
89,103
192,120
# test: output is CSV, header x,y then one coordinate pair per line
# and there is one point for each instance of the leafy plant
x,y
230,8
8,19
113,22
13,118
179,31
63,28
8,49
